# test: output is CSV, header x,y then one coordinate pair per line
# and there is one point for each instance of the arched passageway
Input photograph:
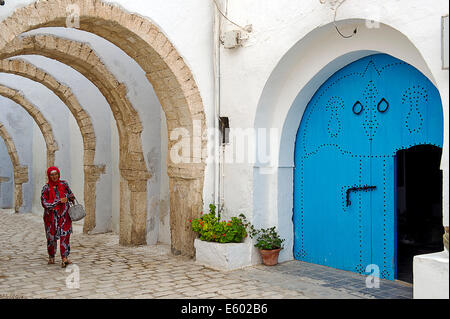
x,y
91,172
176,89
132,164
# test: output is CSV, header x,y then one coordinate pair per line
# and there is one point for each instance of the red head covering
x,y
51,184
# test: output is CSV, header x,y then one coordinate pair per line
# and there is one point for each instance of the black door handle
x,y
357,189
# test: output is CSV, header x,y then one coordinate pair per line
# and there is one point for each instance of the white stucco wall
x,y
289,53
189,26
431,276
115,176
19,125
38,170
6,171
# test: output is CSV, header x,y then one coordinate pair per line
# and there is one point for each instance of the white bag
x,y
76,211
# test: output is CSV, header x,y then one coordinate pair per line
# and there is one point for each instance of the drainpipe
x,y
217,144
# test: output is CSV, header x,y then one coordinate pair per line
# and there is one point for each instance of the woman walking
x,y
55,198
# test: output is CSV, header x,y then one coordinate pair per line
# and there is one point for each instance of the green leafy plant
x,y
211,229
266,238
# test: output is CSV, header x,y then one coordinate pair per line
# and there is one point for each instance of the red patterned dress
x,y
58,224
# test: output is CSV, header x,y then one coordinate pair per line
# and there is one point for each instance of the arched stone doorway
x,y
176,89
345,211
298,75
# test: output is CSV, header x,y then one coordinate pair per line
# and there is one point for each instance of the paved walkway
x,y
107,270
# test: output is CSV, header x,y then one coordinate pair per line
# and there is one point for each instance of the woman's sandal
x,y
51,260
66,262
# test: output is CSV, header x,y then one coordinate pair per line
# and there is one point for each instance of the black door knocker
x,y
386,106
357,110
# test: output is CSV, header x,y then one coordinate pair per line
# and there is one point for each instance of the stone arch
x,y
20,172
91,172
132,165
40,120
174,85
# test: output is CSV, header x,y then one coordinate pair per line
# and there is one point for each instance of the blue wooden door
x,y
344,177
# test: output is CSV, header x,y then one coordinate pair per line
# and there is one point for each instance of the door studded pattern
x,y
347,140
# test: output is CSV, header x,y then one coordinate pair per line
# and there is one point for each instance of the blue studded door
x,y
345,155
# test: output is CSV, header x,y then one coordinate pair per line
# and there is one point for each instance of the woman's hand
x,y
64,200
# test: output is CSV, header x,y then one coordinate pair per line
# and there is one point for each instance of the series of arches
x,y
166,71
25,69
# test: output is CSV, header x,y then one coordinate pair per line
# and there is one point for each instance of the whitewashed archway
x,y
293,82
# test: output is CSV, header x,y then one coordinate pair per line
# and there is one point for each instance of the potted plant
x,y
211,229
220,243
268,242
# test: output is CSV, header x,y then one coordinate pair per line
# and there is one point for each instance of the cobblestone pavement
x,y
107,270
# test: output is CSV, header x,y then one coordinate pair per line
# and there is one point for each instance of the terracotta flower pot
x,y
270,257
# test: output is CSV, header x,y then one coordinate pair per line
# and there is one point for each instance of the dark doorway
x,y
419,206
